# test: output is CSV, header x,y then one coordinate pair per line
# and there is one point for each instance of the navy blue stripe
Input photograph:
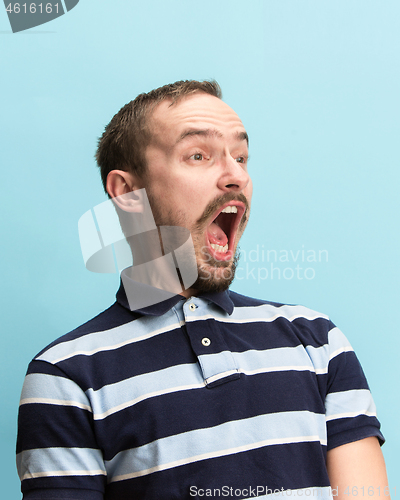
x,y
354,376
279,333
158,362
112,317
347,430
172,348
63,494
46,368
81,485
188,410
54,426
244,301
156,353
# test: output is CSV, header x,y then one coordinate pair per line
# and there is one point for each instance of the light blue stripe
x,y
217,364
284,358
113,338
59,462
338,342
178,309
319,357
279,359
42,388
348,403
115,397
265,312
149,326
228,438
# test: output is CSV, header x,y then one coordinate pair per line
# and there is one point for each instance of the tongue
x,y
216,235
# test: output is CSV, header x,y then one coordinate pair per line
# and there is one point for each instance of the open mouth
x,y
221,233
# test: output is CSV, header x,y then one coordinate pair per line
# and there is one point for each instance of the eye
x,y
197,157
241,159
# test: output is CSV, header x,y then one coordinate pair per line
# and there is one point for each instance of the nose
x,y
234,176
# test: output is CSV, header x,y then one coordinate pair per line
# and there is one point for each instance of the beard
x,y
213,275
218,280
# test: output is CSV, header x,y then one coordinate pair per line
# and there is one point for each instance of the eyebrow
x,y
240,136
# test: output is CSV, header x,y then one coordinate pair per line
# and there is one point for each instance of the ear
x,y
121,186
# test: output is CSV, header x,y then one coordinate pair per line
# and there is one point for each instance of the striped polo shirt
x,y
218,395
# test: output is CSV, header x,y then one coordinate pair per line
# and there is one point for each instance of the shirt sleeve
x,y
57,454
349,408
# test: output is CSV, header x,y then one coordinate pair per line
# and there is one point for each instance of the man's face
x,y
197,178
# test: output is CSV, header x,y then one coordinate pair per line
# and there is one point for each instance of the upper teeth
x,y
231,209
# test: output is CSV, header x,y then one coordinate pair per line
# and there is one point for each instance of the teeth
x,y
219,248
231,209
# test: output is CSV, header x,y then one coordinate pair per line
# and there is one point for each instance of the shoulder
x,y
289,311
309,326
88,333
240,300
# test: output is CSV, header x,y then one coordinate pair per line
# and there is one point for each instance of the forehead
x,y
195,112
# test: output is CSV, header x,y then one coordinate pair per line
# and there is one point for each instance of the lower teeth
x,y
219,248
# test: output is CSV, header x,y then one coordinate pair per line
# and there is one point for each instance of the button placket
x,y
215,359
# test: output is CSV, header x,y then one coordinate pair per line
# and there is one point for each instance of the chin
x,y
215,278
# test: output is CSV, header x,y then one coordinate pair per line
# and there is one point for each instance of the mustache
x,y
218,202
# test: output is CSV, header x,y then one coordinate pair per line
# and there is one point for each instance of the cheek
x,y
248,192
192,194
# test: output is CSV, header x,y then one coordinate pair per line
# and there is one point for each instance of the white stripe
x,y
338,343
127,404
116,397
236,318
138,330
219,453
110,347
61,461
270,312
255,361
60,473
351,414
51,389
230,437
129,333
120,395
278,369
339,351
209,380
200,385
349,404
59,402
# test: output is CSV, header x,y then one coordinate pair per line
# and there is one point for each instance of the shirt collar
x,y
221,299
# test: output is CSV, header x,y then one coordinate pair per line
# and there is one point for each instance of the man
x,y
207,393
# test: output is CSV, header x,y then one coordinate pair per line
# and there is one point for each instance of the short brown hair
x,y
125,138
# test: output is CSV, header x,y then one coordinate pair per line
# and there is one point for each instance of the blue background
x,y
316,84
